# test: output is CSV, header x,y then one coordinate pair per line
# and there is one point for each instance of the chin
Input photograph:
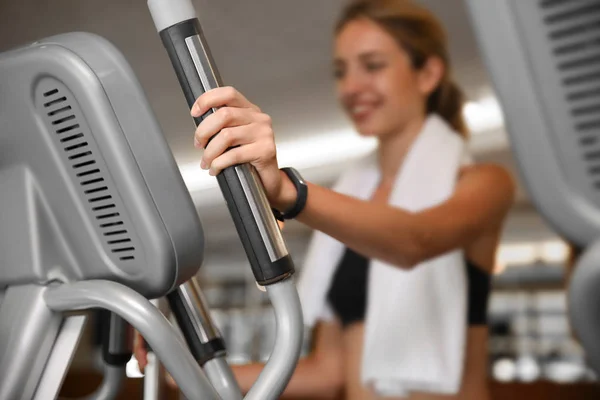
x,y
370,131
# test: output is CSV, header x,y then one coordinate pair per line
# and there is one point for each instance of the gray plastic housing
x,y
89,188
584,304
544,60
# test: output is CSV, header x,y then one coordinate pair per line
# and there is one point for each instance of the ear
x,y
431,75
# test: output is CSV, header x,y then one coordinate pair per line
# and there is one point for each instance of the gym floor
x,y
79,384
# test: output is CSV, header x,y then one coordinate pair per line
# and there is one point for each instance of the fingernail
x,y
203,164
196,143
211,172
194,110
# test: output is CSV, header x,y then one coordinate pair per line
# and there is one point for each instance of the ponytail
x,y
447,101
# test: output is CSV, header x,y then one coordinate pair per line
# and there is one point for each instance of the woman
x,y
393,73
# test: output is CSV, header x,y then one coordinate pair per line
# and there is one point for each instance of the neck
x,y
393,148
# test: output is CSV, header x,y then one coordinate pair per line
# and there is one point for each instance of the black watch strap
x,y
302,195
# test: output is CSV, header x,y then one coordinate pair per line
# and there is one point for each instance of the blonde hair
x,y
422,36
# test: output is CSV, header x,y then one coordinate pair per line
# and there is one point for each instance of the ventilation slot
x,y
119,241
580,62
120,250
594,109
574,13
67,129
588,141
105,216
102,208
586,126
101,198
59,111
114,233
76,146
51,92
92,181
86,173
54,102
80,155
584,94
72,137
63,120
84,164
593,155
96,190
111,224
578,46
584,78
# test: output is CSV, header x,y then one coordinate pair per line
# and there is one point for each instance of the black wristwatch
x,y
301,197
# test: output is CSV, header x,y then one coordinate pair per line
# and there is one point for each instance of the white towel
x,y
416,319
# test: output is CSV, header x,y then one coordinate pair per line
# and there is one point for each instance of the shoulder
x,y
488,180
487,173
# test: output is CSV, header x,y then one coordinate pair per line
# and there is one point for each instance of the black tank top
x,y
348,291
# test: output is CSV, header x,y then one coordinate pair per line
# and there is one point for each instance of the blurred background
x,y
278,53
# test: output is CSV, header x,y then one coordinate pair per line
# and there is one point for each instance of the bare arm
x,y
317,376
482,198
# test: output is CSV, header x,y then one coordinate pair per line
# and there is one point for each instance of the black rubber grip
x,y
173,39
116,360
265,271
202,352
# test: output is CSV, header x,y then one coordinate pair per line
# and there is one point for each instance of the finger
x,y
170,381
226,117
220,97
139,351
142,359
235,156
228,137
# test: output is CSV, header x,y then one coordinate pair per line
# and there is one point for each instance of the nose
x,y
352,84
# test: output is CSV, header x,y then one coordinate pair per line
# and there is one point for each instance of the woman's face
x,y
376,83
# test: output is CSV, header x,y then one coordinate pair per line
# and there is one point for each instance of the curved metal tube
x,y
140,313
584,303
111,384
279,369
220,375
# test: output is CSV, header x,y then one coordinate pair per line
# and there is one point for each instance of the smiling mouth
x,y
360,112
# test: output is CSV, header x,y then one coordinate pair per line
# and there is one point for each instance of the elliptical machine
x,y
94,214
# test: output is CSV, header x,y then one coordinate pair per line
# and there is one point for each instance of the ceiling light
x,y
550,252
504,370
554,252
516,254
483,115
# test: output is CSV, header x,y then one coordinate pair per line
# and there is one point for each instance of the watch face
x,y
297,175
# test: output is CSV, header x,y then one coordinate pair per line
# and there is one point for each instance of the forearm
x,y
310,380
375,230
479,204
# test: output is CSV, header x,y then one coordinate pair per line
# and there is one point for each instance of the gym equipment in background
x,y
94,214
544,59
